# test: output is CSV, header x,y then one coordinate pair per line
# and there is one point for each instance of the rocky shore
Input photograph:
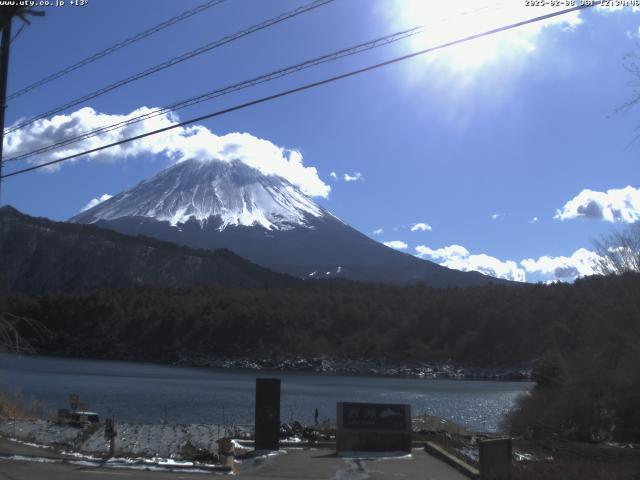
x,y
361,367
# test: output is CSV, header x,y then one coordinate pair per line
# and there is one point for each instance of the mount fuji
x,y
219,204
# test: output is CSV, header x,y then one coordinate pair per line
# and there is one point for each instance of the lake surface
x,y
150,393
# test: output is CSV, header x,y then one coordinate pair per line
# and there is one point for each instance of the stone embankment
x,y
134,440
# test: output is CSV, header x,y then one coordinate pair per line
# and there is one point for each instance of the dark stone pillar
x,y
267,413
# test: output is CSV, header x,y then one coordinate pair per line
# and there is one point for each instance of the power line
x,y
176,60
372,44
114,48
17,34
304,87
233,88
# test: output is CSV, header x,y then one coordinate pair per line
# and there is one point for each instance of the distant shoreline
x,y
363,367
327,366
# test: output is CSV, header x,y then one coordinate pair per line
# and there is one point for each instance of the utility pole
x,y
4,73
6,18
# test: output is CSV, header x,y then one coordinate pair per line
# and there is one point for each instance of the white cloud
x,y
534,220
378,231
347,177
459,258
579,264
614,7
614,205
95,201
353,178
546,268
396,244
495,216
442,253
421,227
179,144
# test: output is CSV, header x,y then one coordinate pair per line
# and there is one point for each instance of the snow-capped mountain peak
x,y
263,218
229,193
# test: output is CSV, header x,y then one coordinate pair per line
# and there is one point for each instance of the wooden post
x,y
111,434
4,74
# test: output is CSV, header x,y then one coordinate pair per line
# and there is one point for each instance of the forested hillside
x,y
479,326
37,254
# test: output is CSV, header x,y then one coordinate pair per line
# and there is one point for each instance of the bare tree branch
x,y
619,252
10,337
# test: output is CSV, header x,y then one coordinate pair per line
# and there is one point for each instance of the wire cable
x,y
174,61
17,34
370,45
114,48
238,86
304,87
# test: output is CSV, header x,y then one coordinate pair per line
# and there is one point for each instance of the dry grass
x,y
577,470
13,406
16,407
10,407
577,460
555,459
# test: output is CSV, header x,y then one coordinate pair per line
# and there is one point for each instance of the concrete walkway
x,y
323,464
289,464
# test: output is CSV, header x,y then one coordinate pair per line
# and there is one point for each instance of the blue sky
x,y
506,152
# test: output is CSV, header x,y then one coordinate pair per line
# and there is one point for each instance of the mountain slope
x,y
37,254
264,218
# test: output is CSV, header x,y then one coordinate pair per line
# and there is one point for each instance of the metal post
x,y
111,434
4,73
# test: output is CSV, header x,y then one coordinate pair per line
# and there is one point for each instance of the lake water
x,y
149,393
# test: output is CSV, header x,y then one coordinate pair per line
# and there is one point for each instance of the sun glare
x,y
445,21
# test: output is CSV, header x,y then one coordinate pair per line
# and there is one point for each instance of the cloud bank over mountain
x,y
458,257
545,268
179,144
96,201
581,263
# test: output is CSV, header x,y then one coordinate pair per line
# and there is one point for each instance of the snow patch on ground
x,y
23,458
40,432
377,455
132,440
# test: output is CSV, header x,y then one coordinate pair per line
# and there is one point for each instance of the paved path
x,y
293,464
323,464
